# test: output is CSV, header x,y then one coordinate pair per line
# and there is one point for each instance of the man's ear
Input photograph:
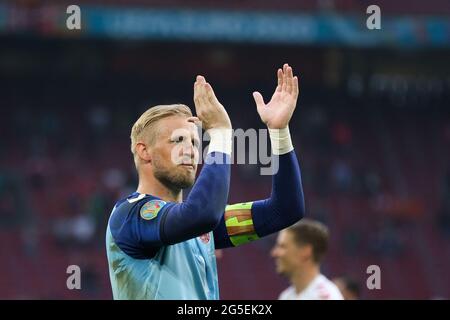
x,y
306,252
143,152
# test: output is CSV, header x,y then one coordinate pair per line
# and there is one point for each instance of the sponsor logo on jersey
x,y
150,209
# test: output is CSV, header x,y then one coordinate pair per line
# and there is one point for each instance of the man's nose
x,y
188,150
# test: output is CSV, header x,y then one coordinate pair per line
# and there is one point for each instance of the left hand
x,y
209,110
277,113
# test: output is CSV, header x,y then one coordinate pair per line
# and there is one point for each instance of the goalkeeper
x,y
160,247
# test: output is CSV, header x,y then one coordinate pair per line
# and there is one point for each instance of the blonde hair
x,y
146,124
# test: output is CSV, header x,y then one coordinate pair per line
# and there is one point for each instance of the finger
x,y
199,96
210,93
206,88
196,91
194,120
280,80
259,100
285,83
295,86
290,79
203,97
201,79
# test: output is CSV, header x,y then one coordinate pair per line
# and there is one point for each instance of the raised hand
x,y
277,113
209,110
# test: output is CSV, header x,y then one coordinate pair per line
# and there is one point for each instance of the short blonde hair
x,y
146,124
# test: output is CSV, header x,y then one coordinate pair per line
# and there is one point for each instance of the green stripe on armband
x,y
239,206
231,222
243,239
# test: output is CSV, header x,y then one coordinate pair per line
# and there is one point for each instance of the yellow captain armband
x,y
239,223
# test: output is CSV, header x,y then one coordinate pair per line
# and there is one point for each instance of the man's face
x,y
175,152
288,255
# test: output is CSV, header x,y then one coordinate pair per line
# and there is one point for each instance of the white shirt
x,y
320,288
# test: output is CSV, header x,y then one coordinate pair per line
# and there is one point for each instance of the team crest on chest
x,y
150,209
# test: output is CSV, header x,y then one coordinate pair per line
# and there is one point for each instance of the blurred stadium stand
x,y
372,132
389,7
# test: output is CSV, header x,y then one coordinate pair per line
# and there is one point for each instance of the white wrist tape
x,y
281,142
221,140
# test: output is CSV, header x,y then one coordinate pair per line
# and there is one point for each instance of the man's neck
x,y
151,185
303,278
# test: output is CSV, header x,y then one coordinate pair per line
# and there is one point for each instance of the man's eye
x,y
178,139
195,143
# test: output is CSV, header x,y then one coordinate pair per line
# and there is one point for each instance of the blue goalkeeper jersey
x,y
147,269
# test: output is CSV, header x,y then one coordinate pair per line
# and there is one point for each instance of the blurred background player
x,y
161,247
298,253
348,286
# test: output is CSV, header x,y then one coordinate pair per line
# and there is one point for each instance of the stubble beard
x,y
173,180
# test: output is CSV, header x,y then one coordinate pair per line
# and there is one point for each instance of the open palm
x,y
277,113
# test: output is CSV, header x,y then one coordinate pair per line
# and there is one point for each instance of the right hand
x,y
277,113
209,110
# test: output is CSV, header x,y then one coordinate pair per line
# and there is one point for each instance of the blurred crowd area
x,y
372,132
345,6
